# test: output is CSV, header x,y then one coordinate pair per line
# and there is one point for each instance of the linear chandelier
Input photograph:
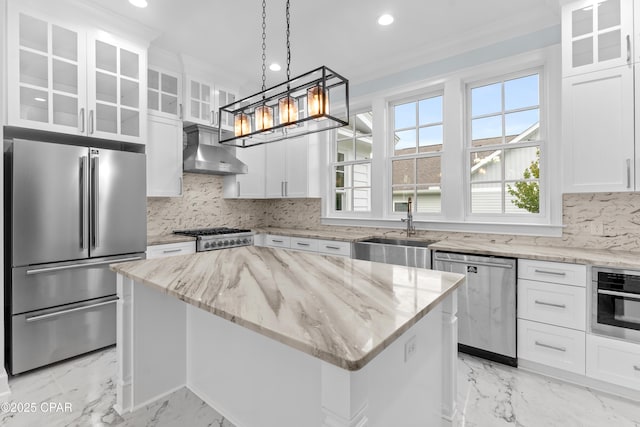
x,y
312,102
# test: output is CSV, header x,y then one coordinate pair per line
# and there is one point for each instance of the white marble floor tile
x,y
489,395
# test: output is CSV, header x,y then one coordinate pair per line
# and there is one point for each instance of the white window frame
x,y
533,218
333,163
390,156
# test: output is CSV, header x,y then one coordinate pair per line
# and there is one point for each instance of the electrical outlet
x,y
597,228
410,348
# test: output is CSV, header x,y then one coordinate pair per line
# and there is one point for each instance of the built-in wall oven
x,y
616,303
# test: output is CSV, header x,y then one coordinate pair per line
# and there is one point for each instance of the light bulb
x,y
288,110
318,101
264,118
241,125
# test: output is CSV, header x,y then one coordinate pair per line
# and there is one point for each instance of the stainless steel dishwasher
x,y
486,304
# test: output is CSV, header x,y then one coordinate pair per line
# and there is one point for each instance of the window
x,y
416,161
504,145
352,165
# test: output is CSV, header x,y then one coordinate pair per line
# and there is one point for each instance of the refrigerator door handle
x,y
69,310
83,191
95,200
83,265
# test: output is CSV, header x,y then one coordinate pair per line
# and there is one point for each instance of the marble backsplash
x,y
203,205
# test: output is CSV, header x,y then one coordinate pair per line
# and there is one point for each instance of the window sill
x,y
523,229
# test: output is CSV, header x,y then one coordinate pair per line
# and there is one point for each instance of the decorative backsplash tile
x,y
203,205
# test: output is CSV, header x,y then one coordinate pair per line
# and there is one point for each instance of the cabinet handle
x,y
81,120
550,304
337,248
277,241
180,114
170,251
302,244
286,188
213,118
636,368
628,173
91,121
180,185
282,188
554,273
628,49
552,347
238,186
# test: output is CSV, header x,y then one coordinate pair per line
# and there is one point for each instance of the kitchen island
x,y
271,337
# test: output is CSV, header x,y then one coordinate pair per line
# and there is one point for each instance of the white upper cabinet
x,y
249,185
223,97
164,157
596,35
291,168
598,131
164,93
199,101
117,80
67,78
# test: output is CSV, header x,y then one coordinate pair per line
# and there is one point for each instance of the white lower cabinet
x,y
614,361
554,304
554,346
323,247
303,244
171,249
333,247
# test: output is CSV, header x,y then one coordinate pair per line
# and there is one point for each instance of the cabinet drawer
x,y
559,305
613,361
554,272
551,345
302,244
171,249
332,247
277,241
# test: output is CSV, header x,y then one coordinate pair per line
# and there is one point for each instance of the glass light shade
x,y
288,110
241,124
264,118
317,101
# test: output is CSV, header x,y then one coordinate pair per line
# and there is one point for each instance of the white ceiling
x,y
341,34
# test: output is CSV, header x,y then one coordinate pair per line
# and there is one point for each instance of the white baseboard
x,y
4,383
215,405
157,398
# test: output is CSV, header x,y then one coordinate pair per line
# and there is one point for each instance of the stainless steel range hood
x,y
203,154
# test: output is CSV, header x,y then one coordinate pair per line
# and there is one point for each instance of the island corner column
x,y
344,397
450,356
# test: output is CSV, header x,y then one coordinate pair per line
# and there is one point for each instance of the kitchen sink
x,y
410,253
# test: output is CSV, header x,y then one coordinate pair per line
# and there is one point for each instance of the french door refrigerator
x,y
70,211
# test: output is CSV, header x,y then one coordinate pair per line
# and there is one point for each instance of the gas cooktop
x,y
208,239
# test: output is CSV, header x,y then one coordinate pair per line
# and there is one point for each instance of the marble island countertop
x,y
340,310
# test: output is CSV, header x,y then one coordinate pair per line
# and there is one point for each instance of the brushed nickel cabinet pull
x,y
552,347
628,173
337,248
550,304
555,273
277,241
302,244
628,49
81,120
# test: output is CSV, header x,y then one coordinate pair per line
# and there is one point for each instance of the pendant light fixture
x,y
312,102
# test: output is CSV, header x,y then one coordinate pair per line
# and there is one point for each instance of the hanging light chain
x,y
264,46
288,44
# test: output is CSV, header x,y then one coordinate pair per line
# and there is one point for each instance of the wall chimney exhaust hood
x,y
204,154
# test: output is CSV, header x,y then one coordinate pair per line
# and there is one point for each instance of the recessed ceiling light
x,y
385,19
275,67
138,3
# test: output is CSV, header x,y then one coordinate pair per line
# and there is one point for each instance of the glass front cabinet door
x,y
47,80
61,78
596,35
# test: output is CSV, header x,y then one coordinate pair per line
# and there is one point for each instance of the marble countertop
x,y
597,257
340,235
340,310
164,239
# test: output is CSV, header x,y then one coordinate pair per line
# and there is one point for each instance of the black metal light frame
x,y
330,83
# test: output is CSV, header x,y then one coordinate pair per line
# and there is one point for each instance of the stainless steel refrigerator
x,y
70,211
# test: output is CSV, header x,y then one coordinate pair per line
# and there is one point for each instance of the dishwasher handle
x,y
480,263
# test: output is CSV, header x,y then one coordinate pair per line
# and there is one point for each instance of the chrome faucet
x,y
411,229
